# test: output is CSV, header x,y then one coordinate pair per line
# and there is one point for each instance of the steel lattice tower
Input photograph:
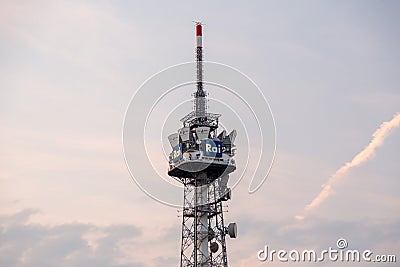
x,y
201,160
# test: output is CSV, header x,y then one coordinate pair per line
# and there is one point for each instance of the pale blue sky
x,y
330,71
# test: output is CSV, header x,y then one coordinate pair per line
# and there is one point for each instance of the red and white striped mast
x,y
200,95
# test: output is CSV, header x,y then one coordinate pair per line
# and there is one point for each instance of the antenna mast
x,y
200,95
201,160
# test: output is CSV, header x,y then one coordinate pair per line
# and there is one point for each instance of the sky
x,y
330,72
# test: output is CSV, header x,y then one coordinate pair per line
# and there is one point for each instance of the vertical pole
x,y
202,221
200,95
195,221
199,56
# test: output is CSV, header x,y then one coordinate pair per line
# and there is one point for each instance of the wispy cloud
x,y
366,154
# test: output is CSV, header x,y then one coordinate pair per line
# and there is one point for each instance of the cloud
x,y
366,154
26,244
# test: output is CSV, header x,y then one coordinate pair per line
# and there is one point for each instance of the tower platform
x,y
191,164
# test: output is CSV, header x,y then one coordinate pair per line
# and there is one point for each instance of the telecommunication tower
x,y
201,160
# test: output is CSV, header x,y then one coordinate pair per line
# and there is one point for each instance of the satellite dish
x,y
184,133
214,247
202,132
232,230
222,135
232,136
173,139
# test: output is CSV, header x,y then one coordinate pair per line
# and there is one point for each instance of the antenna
x,y
201,159
200,96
